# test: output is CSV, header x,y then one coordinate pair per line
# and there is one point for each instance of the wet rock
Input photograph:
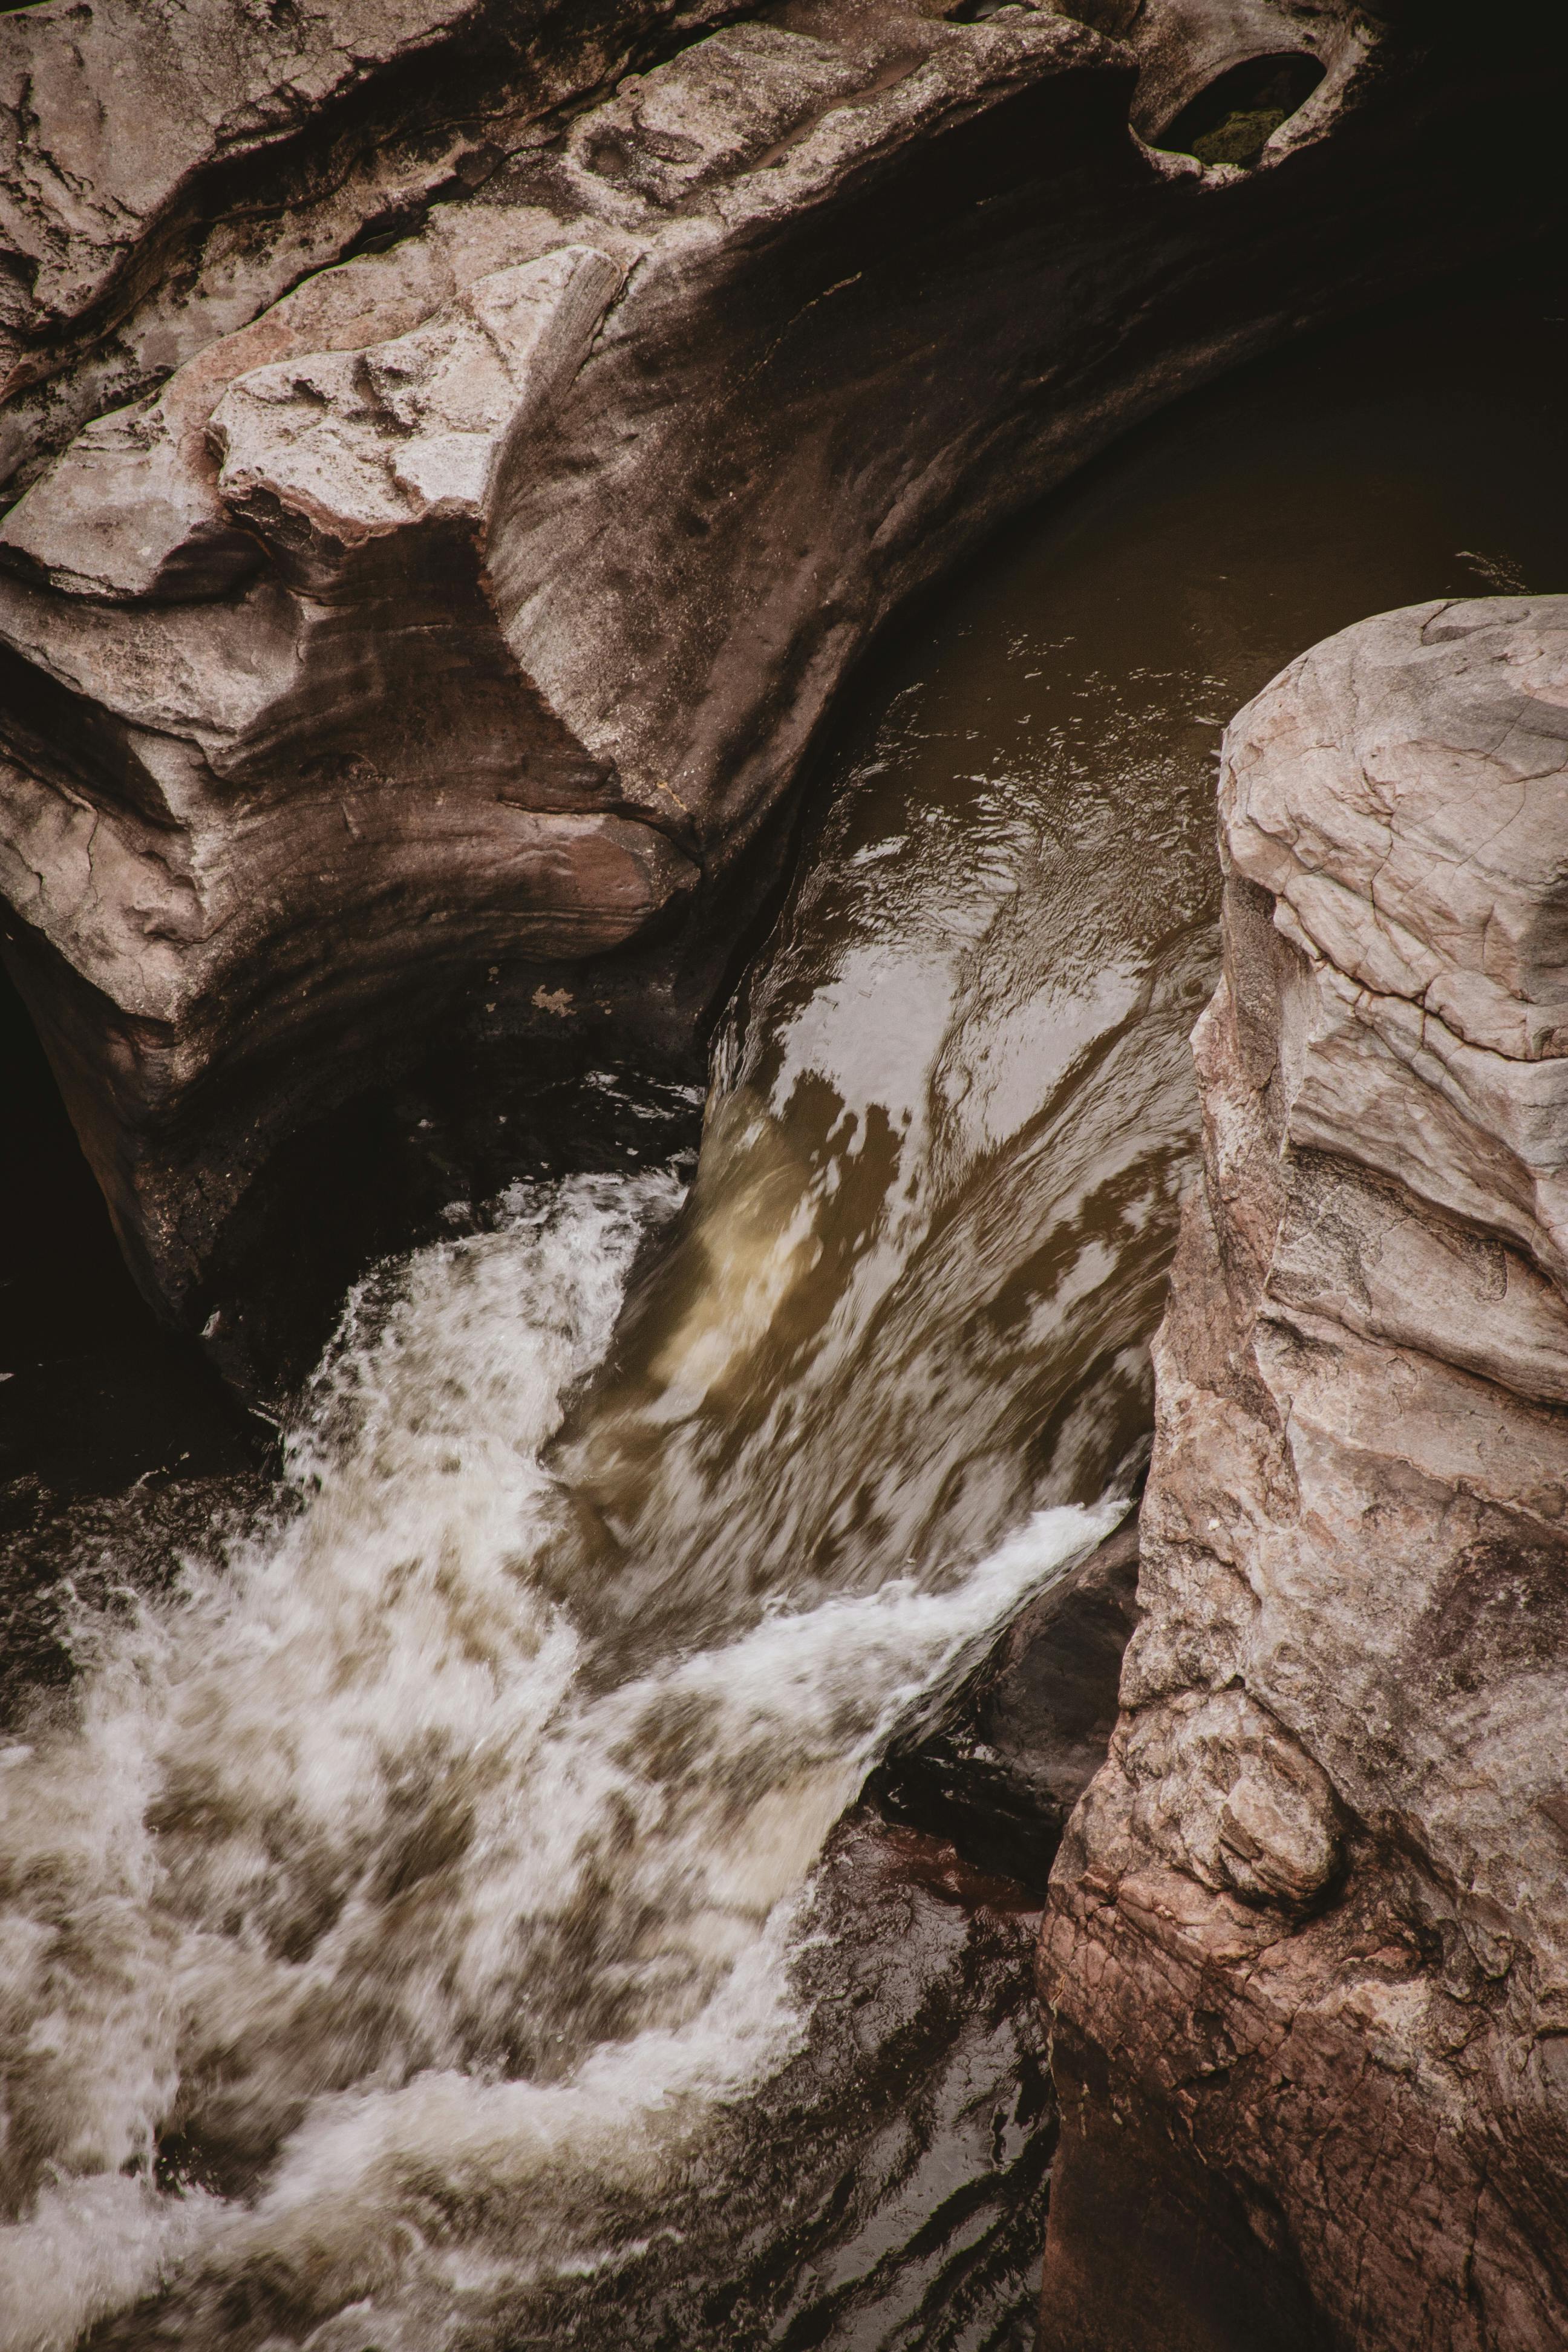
x,y
890,2184
1307,1932
409,658
1022,1742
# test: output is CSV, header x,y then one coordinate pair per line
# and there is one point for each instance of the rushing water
x,y
415,1933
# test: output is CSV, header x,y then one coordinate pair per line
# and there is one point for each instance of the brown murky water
x,y
425,1923
953,1111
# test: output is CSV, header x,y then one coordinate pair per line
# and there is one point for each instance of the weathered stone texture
x,y
416,652
170,167
1309,1931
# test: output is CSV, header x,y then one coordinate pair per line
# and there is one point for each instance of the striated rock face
x,y
418,665
1001,1775
169,170
1307,1952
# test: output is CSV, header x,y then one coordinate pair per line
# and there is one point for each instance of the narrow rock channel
x,y
429,1921
732,1619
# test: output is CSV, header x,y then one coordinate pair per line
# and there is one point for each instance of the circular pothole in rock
x,y
1233,119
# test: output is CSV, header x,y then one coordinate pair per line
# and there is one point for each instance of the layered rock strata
x,y
1307,1951
419,665
171,170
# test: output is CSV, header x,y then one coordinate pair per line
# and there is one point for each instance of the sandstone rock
x,y
1185,45
168,171
1308,1932
418,664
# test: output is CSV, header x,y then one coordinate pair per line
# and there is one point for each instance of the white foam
x,y
347,1871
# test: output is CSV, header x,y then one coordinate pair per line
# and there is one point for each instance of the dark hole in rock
x,y
105,1416
1116,17
980,12
610,157
95,1392
387,229
1232,120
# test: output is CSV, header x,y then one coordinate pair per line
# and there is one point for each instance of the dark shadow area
x,y
1232,120
445,1125
94,1393
119,1447
1148,2247
408,1164
1473,364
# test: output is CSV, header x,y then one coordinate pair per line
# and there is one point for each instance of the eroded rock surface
x,y
1307,1951
170,170
411,656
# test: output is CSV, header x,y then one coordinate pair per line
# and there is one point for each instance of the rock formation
x,y
1012,1755
170,171
457,471
1307,1953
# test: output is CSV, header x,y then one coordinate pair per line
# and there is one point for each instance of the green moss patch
x,y
1240,138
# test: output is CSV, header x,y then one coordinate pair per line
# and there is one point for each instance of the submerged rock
x,y
406,662
1307,1949
1021,1743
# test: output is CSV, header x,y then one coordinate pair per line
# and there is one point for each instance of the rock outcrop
x,y
170,170
1307,1952
1017,1749
409,657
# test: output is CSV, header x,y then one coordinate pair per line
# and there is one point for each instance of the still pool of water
x,y
416,1930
